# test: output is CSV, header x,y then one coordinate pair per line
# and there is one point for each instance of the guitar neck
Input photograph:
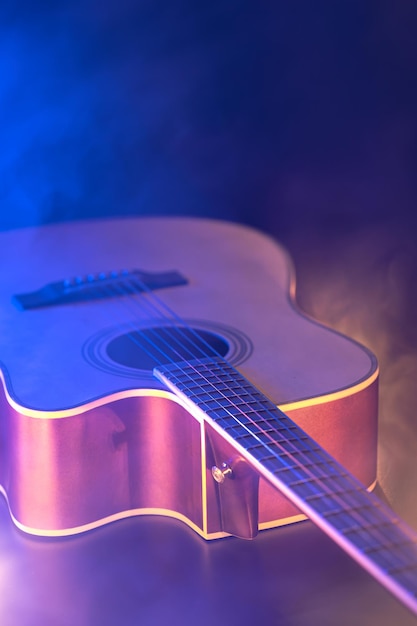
x,y
303,471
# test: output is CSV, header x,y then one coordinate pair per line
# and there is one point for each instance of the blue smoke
x,y
229,109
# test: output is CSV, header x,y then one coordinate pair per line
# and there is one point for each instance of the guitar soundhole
x,y
133,352
146,348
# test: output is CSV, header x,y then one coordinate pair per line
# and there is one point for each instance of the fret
x,y
390,544
329,484
302,488
294,463
404,570
325,504
287,472
383,554
384,560
353,521
369,512
365,529
376,537
293,455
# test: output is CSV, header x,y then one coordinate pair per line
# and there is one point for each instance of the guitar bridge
x,y
96,287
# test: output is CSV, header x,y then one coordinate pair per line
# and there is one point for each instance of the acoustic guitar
x,y
160,366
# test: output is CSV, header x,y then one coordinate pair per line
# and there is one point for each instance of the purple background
x,y
284,115
298,118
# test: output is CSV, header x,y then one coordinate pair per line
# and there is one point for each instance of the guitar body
x,y
88,435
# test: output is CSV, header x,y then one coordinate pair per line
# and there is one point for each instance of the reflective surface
x,y
152,571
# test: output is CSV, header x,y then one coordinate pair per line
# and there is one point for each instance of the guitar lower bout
x,y
141,452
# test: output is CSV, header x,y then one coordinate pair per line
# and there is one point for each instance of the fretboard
x,y
297,466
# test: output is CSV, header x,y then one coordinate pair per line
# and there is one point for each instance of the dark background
x,y
298,118
289,116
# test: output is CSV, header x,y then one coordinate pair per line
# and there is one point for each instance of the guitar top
x,y
238,287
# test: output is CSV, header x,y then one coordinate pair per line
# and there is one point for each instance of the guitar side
x,y
82,446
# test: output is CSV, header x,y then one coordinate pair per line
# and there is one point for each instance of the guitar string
x,y
295,450
357,548
382,541
357,515
153,308
345,509
145,304
256,424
